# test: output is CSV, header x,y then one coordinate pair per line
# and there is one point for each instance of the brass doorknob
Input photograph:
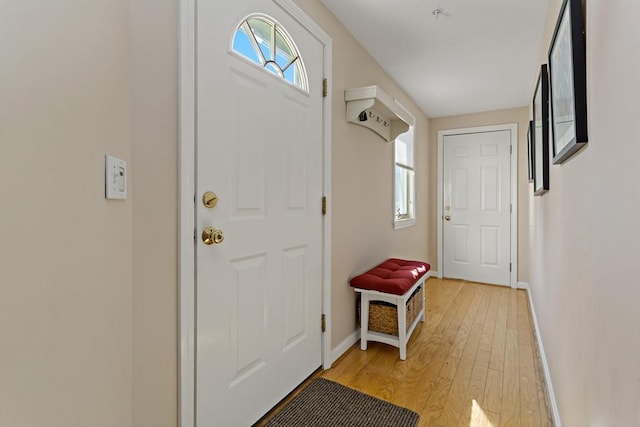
x,y
447,218
212,236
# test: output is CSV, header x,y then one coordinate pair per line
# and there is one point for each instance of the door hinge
x,y
511,149
324,88
509,267
324,322
511,208
324,205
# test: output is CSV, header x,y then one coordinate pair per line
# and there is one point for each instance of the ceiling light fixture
x,y
437,12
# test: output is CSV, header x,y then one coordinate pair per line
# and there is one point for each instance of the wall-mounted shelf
x,y
373,108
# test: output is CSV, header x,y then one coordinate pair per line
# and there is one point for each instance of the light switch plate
x,y
115,178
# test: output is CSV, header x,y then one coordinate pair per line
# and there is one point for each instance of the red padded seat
x,y
394,276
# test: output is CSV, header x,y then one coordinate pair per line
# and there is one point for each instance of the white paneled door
x,y
259,149
477,207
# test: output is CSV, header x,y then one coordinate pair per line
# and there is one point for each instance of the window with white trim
x,y
264,42
404,214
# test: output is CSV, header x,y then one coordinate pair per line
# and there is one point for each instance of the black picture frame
x,y
568,82
541,134
530,149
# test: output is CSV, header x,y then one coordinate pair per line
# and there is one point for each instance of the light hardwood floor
x,y
474,362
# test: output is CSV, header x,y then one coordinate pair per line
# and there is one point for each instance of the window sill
x,y
404,223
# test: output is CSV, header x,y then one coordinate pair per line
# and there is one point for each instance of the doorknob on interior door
x,y
447,218
212,236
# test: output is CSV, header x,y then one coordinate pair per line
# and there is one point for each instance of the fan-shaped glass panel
x,y
262,33
265,43
284,52
242,44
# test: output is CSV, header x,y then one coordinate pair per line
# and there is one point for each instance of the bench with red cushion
x,y
394,281
394,276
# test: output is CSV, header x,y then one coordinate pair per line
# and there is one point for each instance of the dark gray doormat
x,y
327,403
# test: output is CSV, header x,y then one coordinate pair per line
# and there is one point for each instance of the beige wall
x,y
154,65
65,251
362,199
520,116
88,286
585,251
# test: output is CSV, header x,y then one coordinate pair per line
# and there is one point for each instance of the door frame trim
x,y
186,199
513,128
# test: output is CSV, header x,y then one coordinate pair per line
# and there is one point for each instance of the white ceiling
x,y
480,55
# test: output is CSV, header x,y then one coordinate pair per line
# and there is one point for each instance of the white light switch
x,y
115,178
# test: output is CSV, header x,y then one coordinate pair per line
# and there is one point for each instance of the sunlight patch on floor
x,y
480,418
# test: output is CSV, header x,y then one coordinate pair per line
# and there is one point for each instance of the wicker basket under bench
x,y
391,302
383,316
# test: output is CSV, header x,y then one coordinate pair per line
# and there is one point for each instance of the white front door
x,y
477,207
259,149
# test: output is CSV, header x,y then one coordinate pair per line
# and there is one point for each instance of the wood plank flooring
x,y
474,362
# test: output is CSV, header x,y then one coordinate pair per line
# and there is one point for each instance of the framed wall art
x,y
530,149
568,82
541,134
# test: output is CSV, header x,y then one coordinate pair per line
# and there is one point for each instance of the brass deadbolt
x,y
212,236
209,199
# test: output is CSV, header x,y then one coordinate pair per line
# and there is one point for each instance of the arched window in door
x,y
266,43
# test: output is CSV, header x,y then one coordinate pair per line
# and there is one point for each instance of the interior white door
x,y
477,207
259,149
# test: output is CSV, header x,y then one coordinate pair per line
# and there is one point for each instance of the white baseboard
x,y
523,285
345,345
433,274
545,366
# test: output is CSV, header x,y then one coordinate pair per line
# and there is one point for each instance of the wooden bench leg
x,y
401,306
364,320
